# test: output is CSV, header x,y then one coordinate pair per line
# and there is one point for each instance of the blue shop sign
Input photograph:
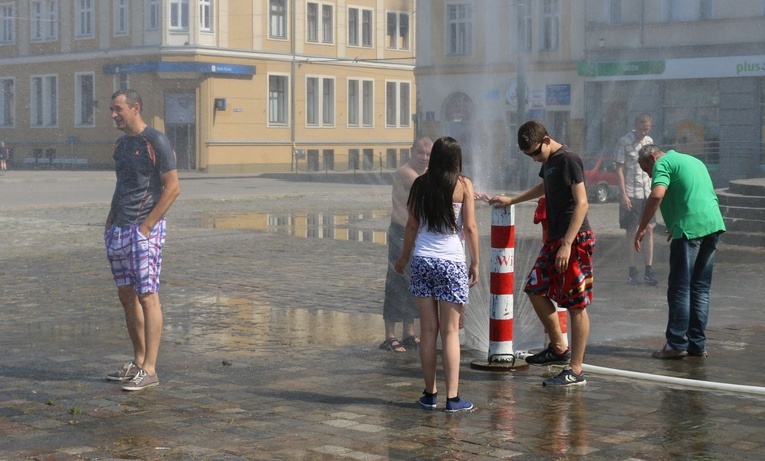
x,y
558,94
172,66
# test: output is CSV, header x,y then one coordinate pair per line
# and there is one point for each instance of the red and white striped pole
x,y
501,285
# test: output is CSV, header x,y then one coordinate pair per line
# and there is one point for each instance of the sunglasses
x,y
536,152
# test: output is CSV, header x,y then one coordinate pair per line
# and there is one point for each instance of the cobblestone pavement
x,y
272,294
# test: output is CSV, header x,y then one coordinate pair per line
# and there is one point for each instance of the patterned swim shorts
x,y
440,279
135,259
571,289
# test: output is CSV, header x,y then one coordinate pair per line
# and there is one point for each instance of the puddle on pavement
x,y
368,226
242,325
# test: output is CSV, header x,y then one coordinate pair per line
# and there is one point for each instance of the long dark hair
x,y
431,195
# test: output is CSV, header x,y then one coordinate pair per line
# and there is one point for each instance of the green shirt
x,y
690,208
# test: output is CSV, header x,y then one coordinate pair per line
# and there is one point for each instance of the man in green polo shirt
x,y
682,188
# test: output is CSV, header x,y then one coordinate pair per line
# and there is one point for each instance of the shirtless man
x,y
399,305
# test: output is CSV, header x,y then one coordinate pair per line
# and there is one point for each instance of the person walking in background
x,y
682,188
3,157
441,214
635,186
399,304
147,185
562,272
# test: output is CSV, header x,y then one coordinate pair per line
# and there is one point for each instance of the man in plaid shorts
x,y
147,185
562,272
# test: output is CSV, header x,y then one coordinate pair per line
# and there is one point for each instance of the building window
x,y
687,10
359,27
152,14
397,105
179,14
277,19
7,21
398,30
367,103
353,102
368,159
328,156
205,15
278,99
44,20
43,96
527,28
312,23
459,29
550,25
353,159
353,26
120,17
614,13
360,102
327,22
121,81
84,19
328,102
84,98
390,158
320,99
7,102
692,117
312,101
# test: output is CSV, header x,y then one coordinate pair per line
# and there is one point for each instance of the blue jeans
x,y
691,262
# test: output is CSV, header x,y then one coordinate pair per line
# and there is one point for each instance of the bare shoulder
x,y
405,175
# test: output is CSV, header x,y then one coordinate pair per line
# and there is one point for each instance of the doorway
x,y
180,128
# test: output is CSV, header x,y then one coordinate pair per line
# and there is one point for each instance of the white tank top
x,y
442,246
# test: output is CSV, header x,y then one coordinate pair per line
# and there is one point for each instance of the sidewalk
x,y
272,295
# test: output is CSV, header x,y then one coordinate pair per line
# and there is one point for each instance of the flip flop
x,y
392,345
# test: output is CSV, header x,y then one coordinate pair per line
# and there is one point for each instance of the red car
x,y
600,179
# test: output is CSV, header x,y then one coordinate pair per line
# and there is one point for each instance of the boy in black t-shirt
x,y
563,270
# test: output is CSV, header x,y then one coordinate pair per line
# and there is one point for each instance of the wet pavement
x,y
272,294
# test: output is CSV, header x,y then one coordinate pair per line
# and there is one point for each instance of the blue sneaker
x,y
428,400
567,377
453,406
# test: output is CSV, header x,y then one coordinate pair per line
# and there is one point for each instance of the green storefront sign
x,y
610,69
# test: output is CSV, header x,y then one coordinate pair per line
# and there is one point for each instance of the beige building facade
x,y
237,85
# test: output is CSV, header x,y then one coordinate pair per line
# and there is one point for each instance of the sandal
x,y
411,342
392,345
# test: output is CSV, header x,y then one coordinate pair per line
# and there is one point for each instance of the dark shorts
x,y
571,289
630,219
399,304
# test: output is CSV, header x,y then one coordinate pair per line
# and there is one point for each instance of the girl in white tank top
x,y
441,214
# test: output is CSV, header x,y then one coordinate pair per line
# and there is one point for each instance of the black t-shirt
x,y
562,170
140,162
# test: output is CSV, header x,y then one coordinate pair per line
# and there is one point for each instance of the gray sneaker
x,y
567,377
140,381
128,371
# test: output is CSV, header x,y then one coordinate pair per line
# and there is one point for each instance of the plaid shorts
x,y
136,260
571,289
439,279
